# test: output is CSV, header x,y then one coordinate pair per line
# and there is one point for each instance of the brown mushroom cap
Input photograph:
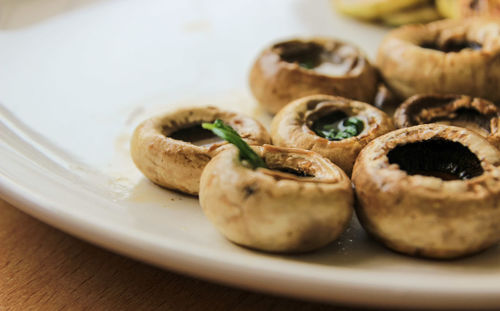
x,y
430,190
278,75
175,163
273,211
475,114
444,57
468,8
291,127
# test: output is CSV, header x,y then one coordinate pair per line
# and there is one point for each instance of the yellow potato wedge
x,y
448,8
373,9
422,14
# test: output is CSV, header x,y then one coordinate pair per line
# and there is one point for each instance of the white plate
x,y
77,76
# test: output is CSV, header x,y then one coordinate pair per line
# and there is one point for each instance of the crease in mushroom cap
x,y
292,127
385,99
295,68
444,57
164,154
475,114
270,210
427,215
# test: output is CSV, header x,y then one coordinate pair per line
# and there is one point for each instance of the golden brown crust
x,y
291,127
275,82
423,215
273,211
177,164
408,68
475,114
468,8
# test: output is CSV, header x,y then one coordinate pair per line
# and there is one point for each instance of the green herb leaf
x,y
227,133
357,123
351,130
344,129
307,64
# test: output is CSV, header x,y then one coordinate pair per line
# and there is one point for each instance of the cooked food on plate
x,y
172,149
276,200
401,12
296,68
376,9
444,57
335,127
475,114
430,190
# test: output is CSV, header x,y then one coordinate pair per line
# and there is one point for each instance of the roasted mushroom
x,y
444,57
335,127
296,68
430,190
172,150
476,114
299,203
467,8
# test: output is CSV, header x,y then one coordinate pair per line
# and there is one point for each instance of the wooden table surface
x,y
42,268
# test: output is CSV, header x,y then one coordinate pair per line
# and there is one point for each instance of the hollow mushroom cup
x,y
172,149
430,190
271,209
476,114
443,57
294,126
296,68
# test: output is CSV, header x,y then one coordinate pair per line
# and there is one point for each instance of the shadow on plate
x,y
356,249
15,14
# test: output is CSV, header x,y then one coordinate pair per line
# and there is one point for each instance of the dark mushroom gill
x,y
296,172
337,60
195,135
475,5
439,158
305,54
331,119
459,117
452,46
467,115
